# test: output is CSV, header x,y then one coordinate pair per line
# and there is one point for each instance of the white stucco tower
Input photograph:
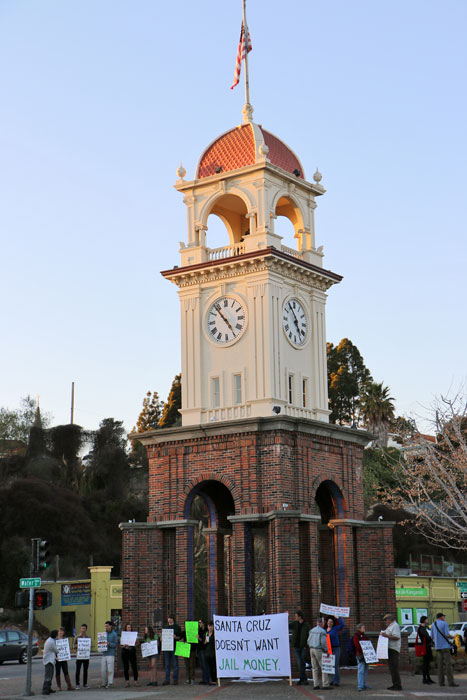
x,y
253,311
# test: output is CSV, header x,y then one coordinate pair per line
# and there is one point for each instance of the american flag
x,y
244,47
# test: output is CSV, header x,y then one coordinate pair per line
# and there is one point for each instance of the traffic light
x,y
42,599
21,599
43,555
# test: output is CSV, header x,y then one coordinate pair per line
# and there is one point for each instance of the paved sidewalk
x,y
378,679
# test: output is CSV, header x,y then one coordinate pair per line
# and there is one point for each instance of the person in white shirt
x,y
48,659
393,633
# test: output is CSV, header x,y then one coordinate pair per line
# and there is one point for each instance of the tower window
x,y
237,388
290,387
215,392
305,393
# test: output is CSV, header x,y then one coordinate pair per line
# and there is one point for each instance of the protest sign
x,y
191,630
182,649
369,651
382,647
334,610
84,648
149,649
167,640
128,639
328,663
63,649
102,641
252,646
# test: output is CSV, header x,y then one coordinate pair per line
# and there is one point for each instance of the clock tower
x,y
253,310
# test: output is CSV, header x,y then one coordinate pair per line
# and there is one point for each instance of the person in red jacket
x,y
362,670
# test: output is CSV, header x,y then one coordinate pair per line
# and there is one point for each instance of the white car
x,y
458,628
411,630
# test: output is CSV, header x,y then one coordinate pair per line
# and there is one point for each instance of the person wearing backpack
x,y
362,670
427,643
440,636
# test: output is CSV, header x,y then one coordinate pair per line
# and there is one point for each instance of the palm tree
x,y
377,410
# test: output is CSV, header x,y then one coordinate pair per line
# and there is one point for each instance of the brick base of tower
x,y
295,483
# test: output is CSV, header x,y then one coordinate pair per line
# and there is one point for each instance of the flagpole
x,y
247,108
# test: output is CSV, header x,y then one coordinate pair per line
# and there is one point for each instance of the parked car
x,y
458,628
14,646
411,630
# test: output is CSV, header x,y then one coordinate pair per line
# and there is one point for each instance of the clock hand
x,y
295,319
225,320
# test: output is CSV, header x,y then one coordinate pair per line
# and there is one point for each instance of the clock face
x,y
294,322
226,320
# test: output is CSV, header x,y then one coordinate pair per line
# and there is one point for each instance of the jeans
x,y
300,656
168,657
85,664
362,672
444,666
393,663
336,679
107,669
204,665
48,675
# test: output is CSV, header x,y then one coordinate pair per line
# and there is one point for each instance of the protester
x,y
150,636
300,631
443,644
48,659
169,656
129,659
209,645
108,656
428,656
83,634
393,633
362,670
332,631
202,630
62,666
190,662
317,641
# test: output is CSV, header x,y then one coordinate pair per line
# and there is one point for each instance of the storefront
x,y
427,595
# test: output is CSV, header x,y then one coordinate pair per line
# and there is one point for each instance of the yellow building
x,y
428,595
89,601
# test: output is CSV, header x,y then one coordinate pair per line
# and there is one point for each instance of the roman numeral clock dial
x,y
226,320
294,322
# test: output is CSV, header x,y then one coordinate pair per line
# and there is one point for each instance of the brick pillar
x,y
184,564
326,564
216,576
285,563
346,580
241,567
309,578
374,562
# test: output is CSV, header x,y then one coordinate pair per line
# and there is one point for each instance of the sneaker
x,y
175,682
192,682
137,684
103,685
109,685
453,685
165,682
85,685
77,686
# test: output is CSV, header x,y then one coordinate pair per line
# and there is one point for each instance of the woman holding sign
x,y
61,664
129,655
83,652
150,636
332,631
362,671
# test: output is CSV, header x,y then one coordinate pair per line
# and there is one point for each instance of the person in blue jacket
x,y
108,656
332,630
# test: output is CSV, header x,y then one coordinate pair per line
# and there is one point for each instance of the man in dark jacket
x,y
300,630
169,656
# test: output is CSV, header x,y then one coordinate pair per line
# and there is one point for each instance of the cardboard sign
x,y
183,649
191,630
167,639
328,663
369,652
252,646
63,649
102,641
334,610
84,648
382,647
128,639
149,649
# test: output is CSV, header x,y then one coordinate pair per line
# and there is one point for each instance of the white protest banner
x,y
382,647
328,663
84,648
128,639
167,640
102,641
369,652
149,649
63,649
252,646
334,610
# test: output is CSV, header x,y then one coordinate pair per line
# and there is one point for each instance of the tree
x,y
347,377
107,466
171,415
15,425
379,473
150,414
432,478
377,411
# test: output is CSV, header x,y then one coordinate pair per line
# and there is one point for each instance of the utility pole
x,y
72,402
32,571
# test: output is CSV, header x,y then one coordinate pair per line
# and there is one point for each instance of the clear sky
x,y
101,100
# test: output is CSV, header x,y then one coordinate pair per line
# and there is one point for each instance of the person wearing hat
x,y
393,634
441,639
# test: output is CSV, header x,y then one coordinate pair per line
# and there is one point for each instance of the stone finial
x,y
181,172
264,150
247,112
317,177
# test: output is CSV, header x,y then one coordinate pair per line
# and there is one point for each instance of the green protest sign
x,y
191,629
182,649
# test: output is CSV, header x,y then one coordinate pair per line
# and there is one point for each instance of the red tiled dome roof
x,y
238,148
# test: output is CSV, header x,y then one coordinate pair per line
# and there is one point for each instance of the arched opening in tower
x,y
288,222
331,562
231,210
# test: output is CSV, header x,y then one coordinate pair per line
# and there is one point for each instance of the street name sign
x,y
29,582
462,585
